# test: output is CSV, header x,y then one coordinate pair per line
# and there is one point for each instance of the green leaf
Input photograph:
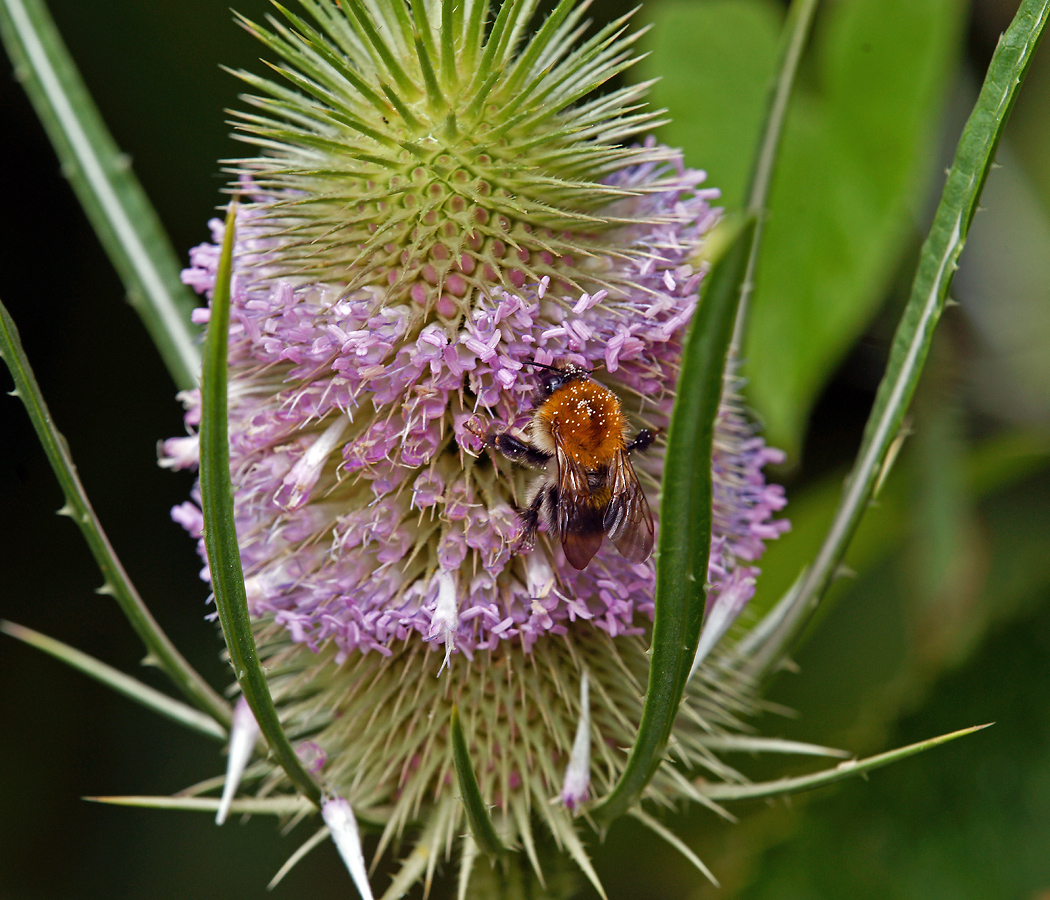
x,y
855,161
481,827
118,681
938,261
117,206
843,770
681,561
856,152
220,532
78,508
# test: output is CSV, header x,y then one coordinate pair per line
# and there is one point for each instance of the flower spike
x,y
243,735
578,773
339,818
426,235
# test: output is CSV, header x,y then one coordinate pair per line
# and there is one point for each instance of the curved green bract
x,y
843,770
116,582
681,570
220,533
119,210
685,511
937,264
112,678
481,826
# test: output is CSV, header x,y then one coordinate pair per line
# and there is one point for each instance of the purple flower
x,y
360,507
399,264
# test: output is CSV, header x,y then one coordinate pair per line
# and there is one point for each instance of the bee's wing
x,y
628,519
578,522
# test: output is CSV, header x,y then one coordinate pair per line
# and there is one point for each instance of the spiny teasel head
x,y
379,538
415,149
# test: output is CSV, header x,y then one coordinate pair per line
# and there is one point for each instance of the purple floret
x,y
363,516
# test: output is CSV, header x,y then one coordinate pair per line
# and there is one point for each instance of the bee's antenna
x,y
532,362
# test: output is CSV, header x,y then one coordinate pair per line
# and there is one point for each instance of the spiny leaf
x,y
746,743
78,507
268,806
842,771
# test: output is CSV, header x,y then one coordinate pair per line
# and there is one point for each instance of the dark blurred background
x,y
945,622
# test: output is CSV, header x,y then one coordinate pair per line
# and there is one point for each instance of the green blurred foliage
x,y
855,158
714,61
970,820
954,549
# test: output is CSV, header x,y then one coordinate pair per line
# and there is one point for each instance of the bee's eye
x,y
551,382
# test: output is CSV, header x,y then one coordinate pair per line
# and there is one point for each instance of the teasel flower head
x,y
441,197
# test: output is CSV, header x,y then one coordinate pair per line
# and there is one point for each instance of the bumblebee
x,y
588,489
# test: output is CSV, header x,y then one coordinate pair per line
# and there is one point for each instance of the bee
x,y
588,488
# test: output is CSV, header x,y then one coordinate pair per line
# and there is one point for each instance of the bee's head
x,y
555,377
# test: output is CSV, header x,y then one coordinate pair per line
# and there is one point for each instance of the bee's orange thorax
x,y
588,420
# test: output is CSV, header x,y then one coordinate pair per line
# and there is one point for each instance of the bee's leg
x,y
642,441
530,519
517,450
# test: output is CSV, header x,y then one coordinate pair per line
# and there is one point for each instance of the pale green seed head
x,y
415,150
